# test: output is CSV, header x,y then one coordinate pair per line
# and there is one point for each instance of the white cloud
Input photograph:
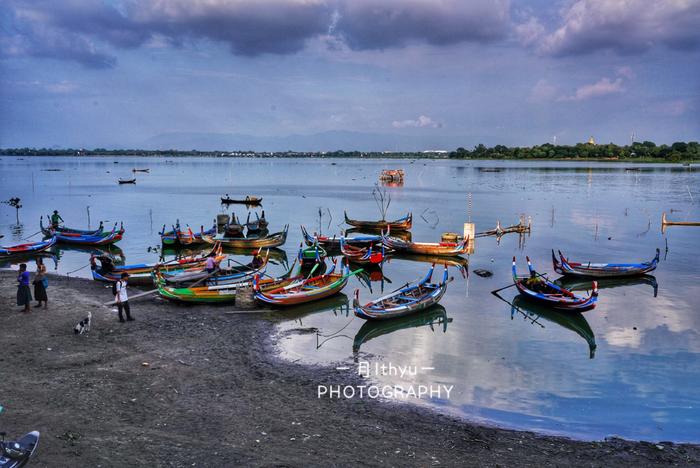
x,y
602,87
543,91
421,122
530,31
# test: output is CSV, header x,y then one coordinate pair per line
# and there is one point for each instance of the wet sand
x,y
199,386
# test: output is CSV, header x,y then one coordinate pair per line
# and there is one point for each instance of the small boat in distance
x,y
140,170
249,200
126,181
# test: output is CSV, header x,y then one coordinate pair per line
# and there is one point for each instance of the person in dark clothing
x,y
56,219
24,294
40,283
122,298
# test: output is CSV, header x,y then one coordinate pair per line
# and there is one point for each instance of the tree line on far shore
x,y
647,151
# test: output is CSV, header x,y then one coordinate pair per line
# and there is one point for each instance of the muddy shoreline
x,y
184,386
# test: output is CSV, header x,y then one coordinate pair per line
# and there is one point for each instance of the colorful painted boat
x,y
443,249
579,283
258,225
250,242
602,270
407,300
27,249
401,224
434,317
107,237
310,256
333,243
66,230
539,289
141,273
219,293
179,237
304,290
223,276
362,255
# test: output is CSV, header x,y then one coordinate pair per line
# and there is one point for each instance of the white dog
x,y
84,325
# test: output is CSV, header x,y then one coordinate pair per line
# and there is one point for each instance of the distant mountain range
x,y
325,141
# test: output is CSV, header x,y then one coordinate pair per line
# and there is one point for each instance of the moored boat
x,y
538,288
361,255
312,255
563,266
179,237
333,243
126,181
407,300
222,276
401,224
305,290
250,242
448,249
27,249
141,273
101,238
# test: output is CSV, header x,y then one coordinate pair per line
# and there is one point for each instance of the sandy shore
x,y
213,393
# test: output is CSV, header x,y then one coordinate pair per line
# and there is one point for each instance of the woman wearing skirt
x,y
40,282
24,294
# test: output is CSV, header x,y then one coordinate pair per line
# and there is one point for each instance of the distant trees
x,y
679,151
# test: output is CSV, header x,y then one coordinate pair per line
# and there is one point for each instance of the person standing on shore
x,y
122,298
40,283
56,219
24,294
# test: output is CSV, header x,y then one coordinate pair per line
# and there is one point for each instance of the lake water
x,y
521,368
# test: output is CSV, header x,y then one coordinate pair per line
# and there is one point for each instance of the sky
x,y
347,74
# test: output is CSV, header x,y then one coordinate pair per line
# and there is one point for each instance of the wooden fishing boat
x,y
407,300
392,175
447,249
141,273
574,321
258,225
65,230
219,293
27,249
333,243
538,288
303,291
126,181
602,270
310,256
140,170
251,242
179,237
233,228
362,255
401,224
248,200
371,329
103,238
223,276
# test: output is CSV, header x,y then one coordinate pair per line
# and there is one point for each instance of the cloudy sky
x,y
125,73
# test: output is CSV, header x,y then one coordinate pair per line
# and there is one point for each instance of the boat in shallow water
x,y
362,255
447,249
179,237
27,249
333,243
79,237
564,266
401,224
250,242
407,300
540,289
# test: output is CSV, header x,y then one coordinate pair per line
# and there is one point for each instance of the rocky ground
x,y
201,386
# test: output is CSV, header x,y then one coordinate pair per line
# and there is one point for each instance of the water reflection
x,y
574,321
436,318
579,284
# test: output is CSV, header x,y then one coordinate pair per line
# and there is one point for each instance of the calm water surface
x,y
521,368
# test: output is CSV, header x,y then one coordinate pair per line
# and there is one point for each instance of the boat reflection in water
x,y
574,321
338,305
461,263
583,284
111,251
435,318
371,273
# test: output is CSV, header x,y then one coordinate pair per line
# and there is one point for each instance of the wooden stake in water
x,y
88,213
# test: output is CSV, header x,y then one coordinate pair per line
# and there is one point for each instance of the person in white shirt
x,y
122,298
